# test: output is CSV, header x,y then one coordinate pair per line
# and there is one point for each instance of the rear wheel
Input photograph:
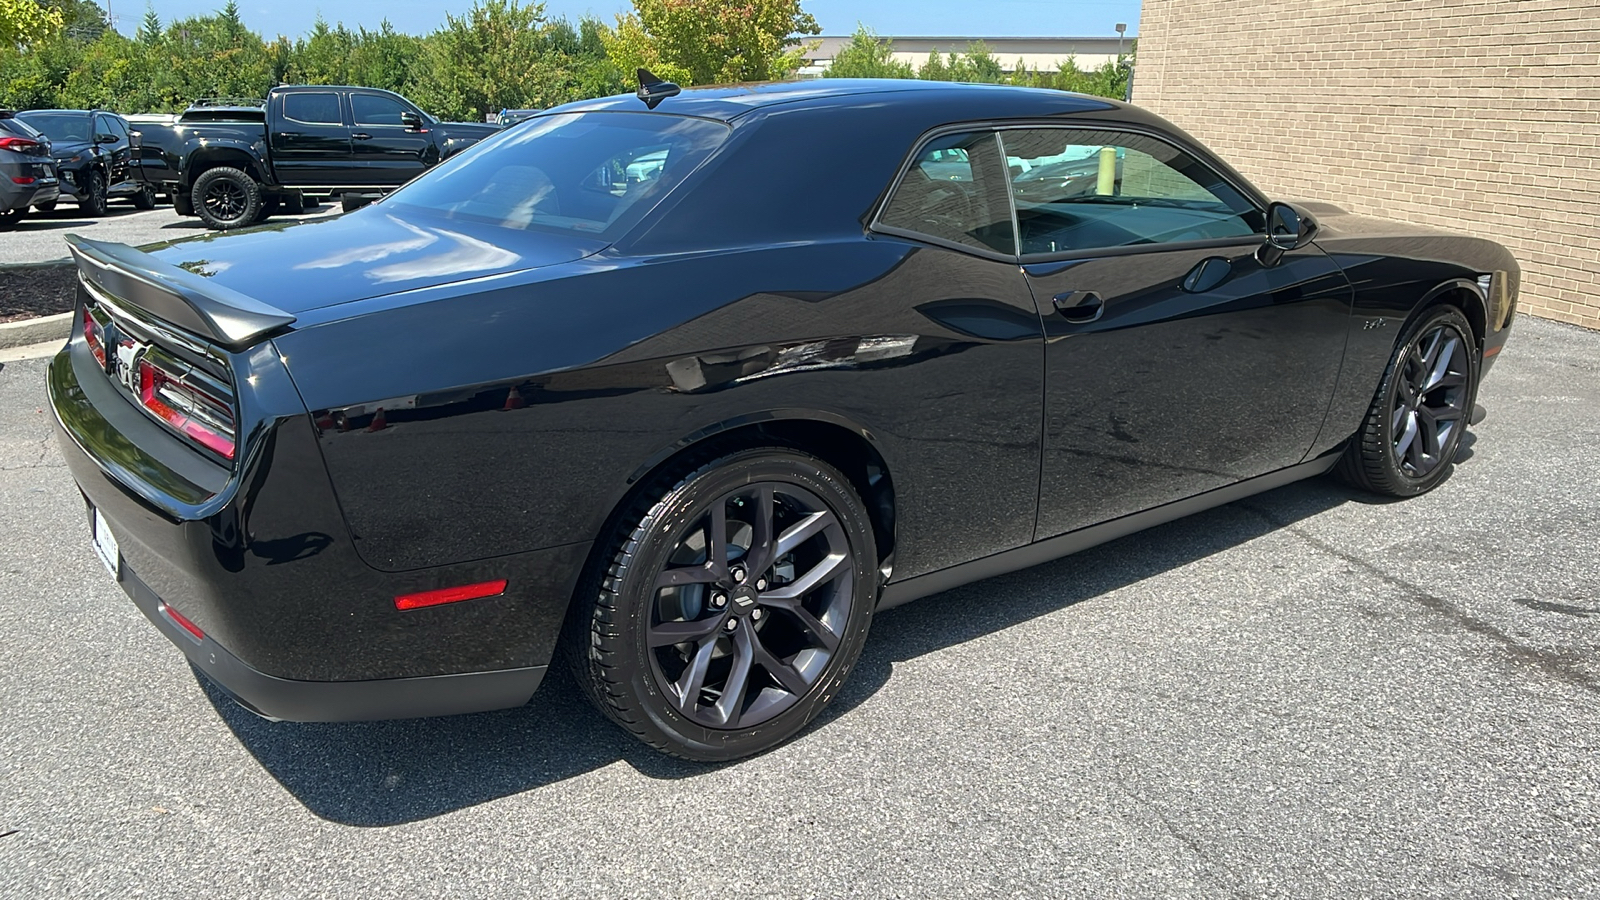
x,y
144,199
730,606
226,198
92,196
10,218
49,206
1408,442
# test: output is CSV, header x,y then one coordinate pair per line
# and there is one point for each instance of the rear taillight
x,y
94,336
23,179
21,145
193,411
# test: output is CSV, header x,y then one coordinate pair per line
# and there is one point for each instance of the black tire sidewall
x,y
1401,483
635,594
144,199
93,199
252,192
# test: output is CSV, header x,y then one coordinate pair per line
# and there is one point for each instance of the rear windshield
x,y
60,126
18,128
593,173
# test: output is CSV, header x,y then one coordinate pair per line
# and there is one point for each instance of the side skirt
x,y
1084,538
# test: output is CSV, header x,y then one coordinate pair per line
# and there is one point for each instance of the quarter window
x,y
313,108
375,109
1080,189
955,191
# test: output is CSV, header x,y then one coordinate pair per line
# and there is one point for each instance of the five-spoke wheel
x,y
734,601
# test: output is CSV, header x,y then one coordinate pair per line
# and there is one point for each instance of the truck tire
x,y
145,199
225,198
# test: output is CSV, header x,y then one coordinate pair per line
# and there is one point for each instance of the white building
x,y
1046,53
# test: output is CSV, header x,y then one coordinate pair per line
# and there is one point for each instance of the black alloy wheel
x,y
733,606
144,198
226,198
92,197
1414,427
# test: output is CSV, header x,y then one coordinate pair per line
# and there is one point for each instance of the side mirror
x,y
1289,227
106,139
411,121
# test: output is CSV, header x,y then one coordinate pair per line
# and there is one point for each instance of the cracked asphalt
x,y
1305,694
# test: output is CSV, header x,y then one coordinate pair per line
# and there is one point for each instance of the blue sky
x,y
991,18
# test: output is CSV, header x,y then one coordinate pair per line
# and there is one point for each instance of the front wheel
x,y
1408,442
226,198
92,196
730,604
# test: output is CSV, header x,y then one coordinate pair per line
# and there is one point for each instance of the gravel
x,y
1310,693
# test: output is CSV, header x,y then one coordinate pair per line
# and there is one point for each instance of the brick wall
x,y
1482,117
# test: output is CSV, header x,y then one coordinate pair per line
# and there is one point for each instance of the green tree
x,y
866,56
712,41
23,22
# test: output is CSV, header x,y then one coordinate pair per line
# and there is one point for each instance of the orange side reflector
x,y
450,595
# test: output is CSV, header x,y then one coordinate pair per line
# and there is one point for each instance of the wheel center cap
x,y
744,599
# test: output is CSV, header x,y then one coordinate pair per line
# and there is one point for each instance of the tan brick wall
x,y
1482,117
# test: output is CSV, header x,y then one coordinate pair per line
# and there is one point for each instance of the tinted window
x,y
375,109
595,173
1079,189
955,190
60,126
315,109
19,128
107,125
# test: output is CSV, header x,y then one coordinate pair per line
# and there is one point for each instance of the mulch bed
x,y
27,292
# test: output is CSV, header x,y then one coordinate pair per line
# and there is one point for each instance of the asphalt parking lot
x,y
1305,694
38,237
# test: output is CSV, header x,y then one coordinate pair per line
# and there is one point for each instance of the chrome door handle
x,y
1079,307
361,136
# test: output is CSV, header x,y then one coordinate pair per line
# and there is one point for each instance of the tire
x,y
225,198
92,197
798,617
144,199
9,218
46,207
1408,441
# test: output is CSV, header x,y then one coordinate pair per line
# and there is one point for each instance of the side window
x,y
313,108
375,109
955,190
102,125
117,127
1080,189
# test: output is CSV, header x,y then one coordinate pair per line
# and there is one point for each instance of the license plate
x,y
105,545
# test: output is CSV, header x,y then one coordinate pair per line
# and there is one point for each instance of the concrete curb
x,y
35,331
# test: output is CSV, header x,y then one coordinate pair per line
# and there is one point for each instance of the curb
x,y
35,331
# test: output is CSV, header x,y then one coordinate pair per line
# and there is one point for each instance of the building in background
x,y
1476,116
1038,53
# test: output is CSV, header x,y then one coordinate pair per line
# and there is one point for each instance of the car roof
x,y
728,102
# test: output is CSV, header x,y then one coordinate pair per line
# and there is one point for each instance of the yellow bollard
x,y
1108,172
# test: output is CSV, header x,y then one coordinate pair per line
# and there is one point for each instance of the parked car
x,y
706,423
27,171
93,151
236,162
508,117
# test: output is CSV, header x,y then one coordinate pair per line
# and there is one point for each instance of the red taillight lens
x,y
21,145
450,595
92,337
23,179
194,413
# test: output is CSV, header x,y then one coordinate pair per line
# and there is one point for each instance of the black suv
x,y
92,149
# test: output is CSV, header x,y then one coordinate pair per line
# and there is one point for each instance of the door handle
x,y
360,136
1079,307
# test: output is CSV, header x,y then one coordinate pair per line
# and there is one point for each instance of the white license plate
x,y
105,545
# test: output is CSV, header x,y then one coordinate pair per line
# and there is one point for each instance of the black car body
x,y
93,151
317,137
472,387
27,170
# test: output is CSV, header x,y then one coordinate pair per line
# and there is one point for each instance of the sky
x,y
965,18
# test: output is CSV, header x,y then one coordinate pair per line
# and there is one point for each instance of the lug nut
x,y
731,625
755,614
719,600
761,584
738,575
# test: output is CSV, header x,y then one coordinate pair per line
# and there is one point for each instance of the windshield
x,y
60,127
592,173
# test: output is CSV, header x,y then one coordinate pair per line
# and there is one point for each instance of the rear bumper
x,y
19,196
336,701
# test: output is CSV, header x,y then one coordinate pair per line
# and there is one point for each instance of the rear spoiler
x,y
176,296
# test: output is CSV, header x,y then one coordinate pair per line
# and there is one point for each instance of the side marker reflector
x,y
183,623
450,595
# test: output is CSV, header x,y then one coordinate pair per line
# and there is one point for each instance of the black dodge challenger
x,y
687,386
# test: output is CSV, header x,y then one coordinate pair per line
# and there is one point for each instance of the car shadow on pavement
x,y
390,773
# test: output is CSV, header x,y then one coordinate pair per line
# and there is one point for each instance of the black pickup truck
x,y
234,163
